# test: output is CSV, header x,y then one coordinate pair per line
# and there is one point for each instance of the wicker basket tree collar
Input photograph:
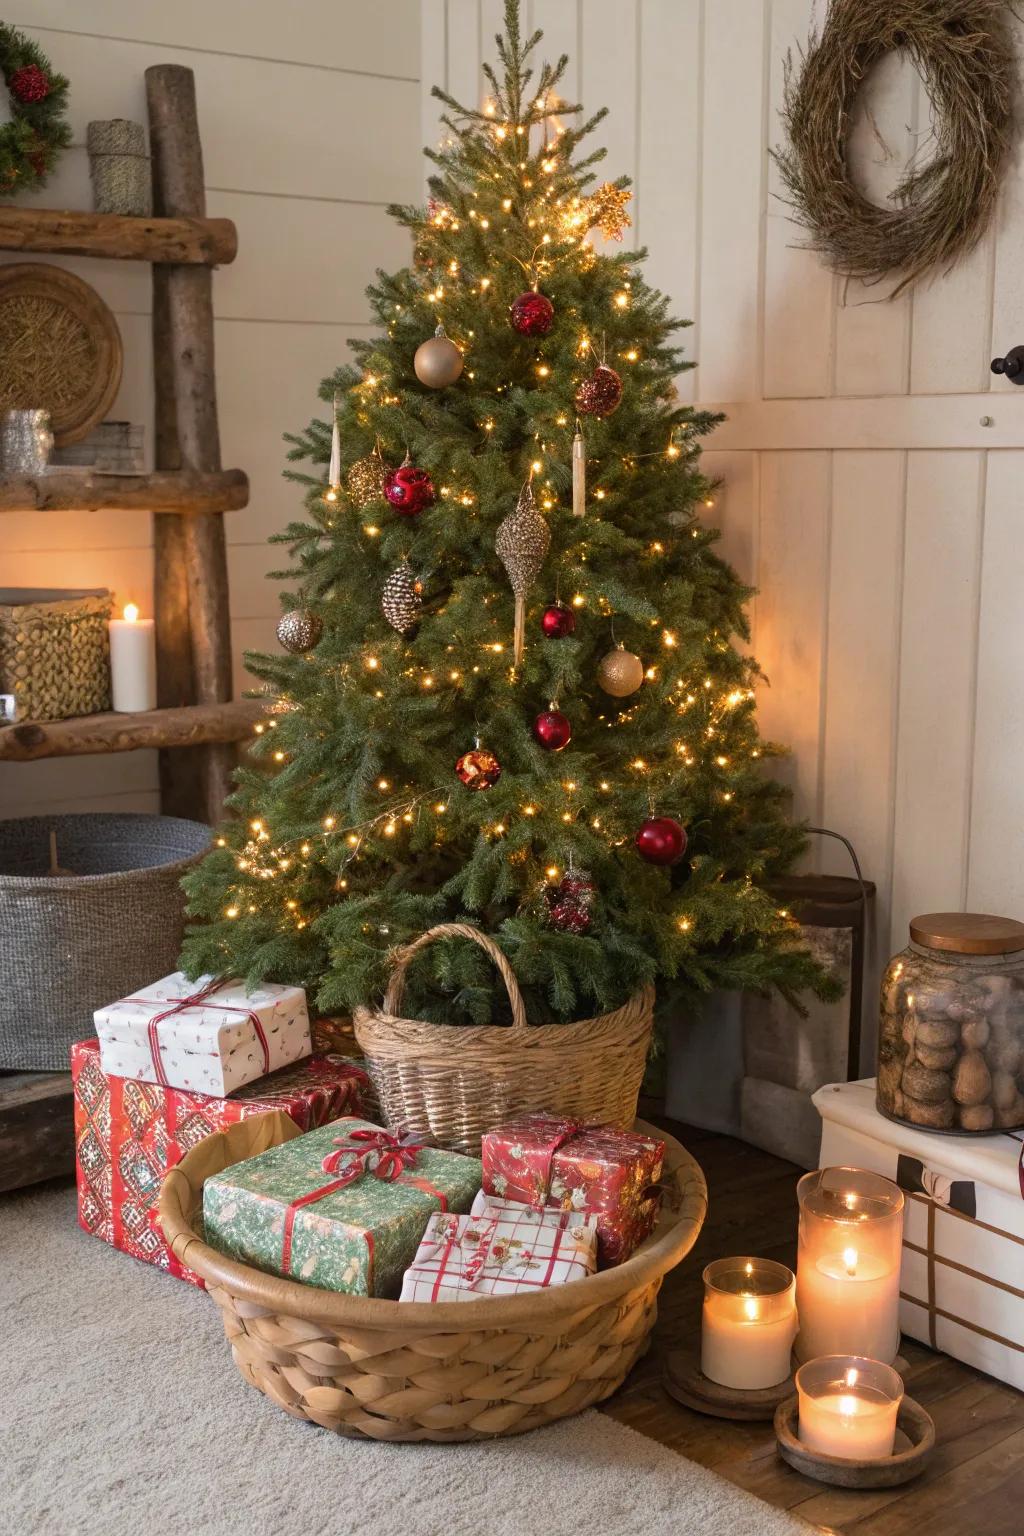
x,y
387,1370
962,51
453,1082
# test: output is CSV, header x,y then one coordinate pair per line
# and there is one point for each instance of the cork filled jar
x,y
951,1032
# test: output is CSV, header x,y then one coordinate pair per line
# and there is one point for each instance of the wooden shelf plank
x,y
161,491
191,242
190,725
37,1136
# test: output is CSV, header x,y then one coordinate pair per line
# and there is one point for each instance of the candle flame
x,y
749,1267
131,612
847,1405
751,1309
851,1376
850,1260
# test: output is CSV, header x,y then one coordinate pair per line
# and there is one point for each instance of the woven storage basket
x,y
69,944
55,652
453,1082
456,1370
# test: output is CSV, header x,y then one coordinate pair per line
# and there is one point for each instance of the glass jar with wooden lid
x,y
951,1032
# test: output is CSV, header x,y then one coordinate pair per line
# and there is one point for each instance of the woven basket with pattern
x,y
454,1082
55,652
454,1370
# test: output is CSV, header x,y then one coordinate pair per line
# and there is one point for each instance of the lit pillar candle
x,y
132,662
749,1323
848,1264
848,1407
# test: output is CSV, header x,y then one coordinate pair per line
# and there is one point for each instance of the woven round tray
x,y
453,1082
389,1370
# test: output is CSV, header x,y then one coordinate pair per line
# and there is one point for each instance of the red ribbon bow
x,y
376,1152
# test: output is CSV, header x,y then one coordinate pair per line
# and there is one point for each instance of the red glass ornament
x,y
29,84
601,394
552,730
558,621
532,314
409,490
661,840
478,769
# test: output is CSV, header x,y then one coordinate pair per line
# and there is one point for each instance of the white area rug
x,y
122,1414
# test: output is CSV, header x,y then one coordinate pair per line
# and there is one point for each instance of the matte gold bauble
x,y
620,673
438,362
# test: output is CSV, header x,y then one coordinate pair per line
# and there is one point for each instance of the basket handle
x,y
402,958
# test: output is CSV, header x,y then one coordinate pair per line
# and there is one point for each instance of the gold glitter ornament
x,y
521,543
365,479
620,673
300,631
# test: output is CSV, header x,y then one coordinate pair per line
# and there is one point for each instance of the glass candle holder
x,y
848,1264
749,1323
848,1406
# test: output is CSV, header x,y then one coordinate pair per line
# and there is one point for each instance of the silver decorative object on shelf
x,y
25,442
119,167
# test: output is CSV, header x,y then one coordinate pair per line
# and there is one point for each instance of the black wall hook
x,y
1011,366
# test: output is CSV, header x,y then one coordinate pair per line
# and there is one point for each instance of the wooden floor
x,y
975,1484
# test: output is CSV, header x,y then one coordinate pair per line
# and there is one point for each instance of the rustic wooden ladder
x,y
196,724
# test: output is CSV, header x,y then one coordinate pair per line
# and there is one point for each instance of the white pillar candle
x,y
132,662
848,1407
848,1266
749,1323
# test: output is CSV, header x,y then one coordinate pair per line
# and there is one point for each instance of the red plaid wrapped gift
x,y
128,1134
542,1160
498,1250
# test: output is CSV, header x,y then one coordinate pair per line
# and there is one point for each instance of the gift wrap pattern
x,y
128,1134
962,1275
542,1160
284,1214
208,1036
499,1249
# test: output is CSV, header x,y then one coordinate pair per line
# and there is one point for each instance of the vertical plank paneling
x,y
858,734
951,319
792,579
736,513
872,332
732,171
464,51
1008,290
798,287
559,21
609,78
668,214
995,880
433,54
937,674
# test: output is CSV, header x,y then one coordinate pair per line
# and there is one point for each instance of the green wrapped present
x,y
343,1207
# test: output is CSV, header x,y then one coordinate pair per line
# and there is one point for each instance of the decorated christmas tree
x,y
511,693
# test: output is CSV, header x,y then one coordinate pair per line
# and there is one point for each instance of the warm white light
x,y
131,612
751,1310
850,1260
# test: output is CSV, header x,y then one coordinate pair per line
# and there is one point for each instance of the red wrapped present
x,y
128,1134
543,1160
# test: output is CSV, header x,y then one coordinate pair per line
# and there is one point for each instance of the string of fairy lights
x,y
561,226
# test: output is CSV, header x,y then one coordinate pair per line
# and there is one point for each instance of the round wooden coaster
x,y
915,1442
685,1381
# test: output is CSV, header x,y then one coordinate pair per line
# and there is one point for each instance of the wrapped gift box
x,y
128,1134
208,1036
962,1277
542,1160
343,1208
499,1249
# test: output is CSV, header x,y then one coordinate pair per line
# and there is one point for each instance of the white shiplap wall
x,y
864,494
309,117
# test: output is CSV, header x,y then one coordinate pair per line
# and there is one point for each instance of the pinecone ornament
x,y
401,600
521,543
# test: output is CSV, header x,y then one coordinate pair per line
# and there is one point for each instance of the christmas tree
x,y
511,694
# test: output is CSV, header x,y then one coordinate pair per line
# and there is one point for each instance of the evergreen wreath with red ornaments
x,y
38,129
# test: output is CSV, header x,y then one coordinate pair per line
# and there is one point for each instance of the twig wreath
x,y
38,129
962,51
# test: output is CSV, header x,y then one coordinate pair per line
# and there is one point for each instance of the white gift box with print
x,y
209,1036
962,1277
499,1249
